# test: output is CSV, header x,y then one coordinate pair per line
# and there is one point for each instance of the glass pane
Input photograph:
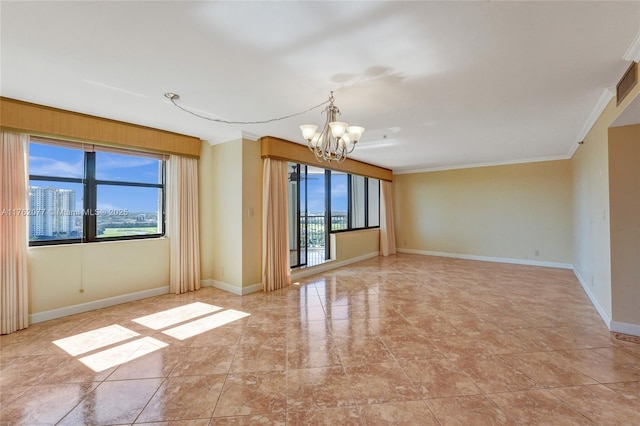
x,y
127,168
49,160
128,210
357,201
55,210
316,207
302,230
374,202
293,215
339,200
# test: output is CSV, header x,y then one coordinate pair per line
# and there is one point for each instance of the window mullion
x,y
349,202
90,198
366,202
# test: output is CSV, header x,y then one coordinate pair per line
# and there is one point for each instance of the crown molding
x,y
604,99
250,136
633,52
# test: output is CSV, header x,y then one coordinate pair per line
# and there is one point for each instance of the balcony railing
x,y
313,234
316,228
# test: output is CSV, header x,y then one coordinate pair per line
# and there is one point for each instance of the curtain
x,y
183,224
14,222
387,230
357,201
275,226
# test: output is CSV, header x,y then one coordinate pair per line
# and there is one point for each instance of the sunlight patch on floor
x,y
194,318
176,315
95,339
201,325
122,353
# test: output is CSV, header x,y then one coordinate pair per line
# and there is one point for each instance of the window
x,y
322,201
84,193
339,201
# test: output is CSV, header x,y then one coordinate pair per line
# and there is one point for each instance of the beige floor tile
x,y
330,417
602,404
379,383
606,365
385,335
270,356
437,378
204,360
252,393
492,374
44,404
181,398
310,353
468,410
317,389
155,364
408,413
274,419
228,335
114,402
537,407
548,369
363,350
190,422
410,346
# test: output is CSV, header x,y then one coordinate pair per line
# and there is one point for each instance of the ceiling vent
x,y
627,82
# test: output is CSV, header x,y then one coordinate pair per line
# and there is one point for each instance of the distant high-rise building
x,y
53,212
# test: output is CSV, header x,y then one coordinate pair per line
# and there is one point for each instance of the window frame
x,y
89,194
366,206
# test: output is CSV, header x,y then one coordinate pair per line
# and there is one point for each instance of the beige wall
x,y
252,213
354,244
591,245
206,198
230,213
591,225
66,275
225,230
519,211
624,195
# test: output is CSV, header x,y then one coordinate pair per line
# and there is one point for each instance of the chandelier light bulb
x,y
308,131
355,133
338,128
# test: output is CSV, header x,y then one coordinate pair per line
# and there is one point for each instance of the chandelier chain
x,y
172,97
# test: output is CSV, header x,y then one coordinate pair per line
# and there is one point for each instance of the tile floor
x,y
407,339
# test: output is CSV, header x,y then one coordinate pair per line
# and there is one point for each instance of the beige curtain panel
x,y
14,222
387,230
275,226
183,224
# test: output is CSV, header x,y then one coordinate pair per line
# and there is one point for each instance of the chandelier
x,y
336,140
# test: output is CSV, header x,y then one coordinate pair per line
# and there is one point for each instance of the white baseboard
x,y
625,328
603,314
96,304
252,288
240,291
329,265
489,259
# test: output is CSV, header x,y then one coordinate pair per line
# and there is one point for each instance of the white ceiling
x,y
436,84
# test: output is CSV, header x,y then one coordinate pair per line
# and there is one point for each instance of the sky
x,y
49,160
316,192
